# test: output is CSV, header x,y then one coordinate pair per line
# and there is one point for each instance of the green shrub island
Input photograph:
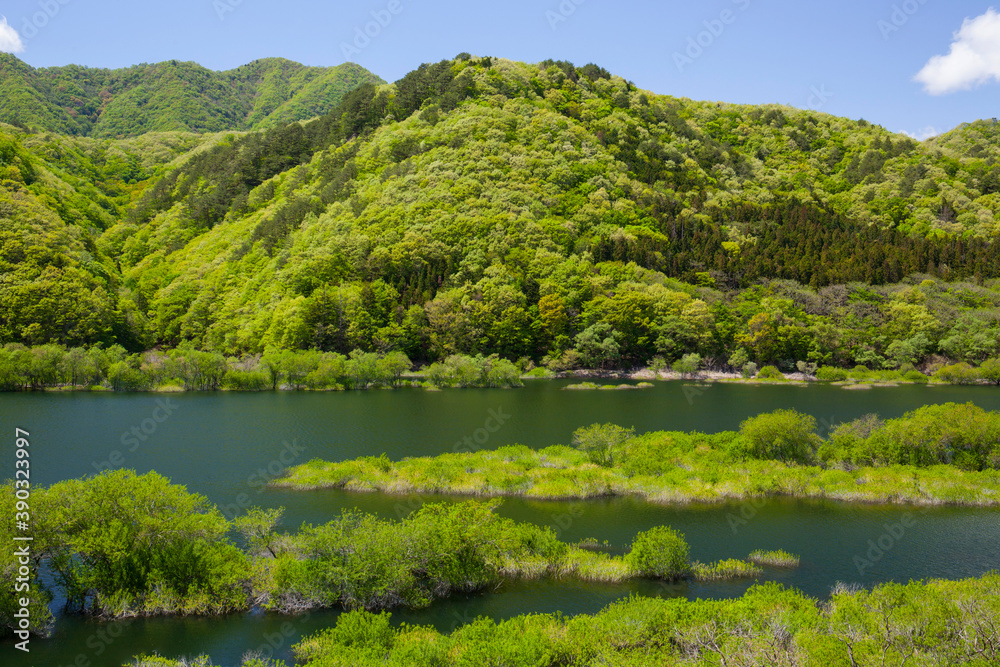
x,y
937,454
121,544
931,622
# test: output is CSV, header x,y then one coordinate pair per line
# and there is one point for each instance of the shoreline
x,y
703,475
644,376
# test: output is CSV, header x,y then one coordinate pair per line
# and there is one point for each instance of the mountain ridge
x,y
170,96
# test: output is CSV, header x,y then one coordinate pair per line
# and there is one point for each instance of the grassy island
x,y
942,454
182,560
934,622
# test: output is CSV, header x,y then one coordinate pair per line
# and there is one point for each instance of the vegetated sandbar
x,y
676,467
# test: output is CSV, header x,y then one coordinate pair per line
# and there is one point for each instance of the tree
x,y
990,371
688,365
602,442
806,368
738,359
782,435
257,528
598,345
392,366
121,541
79,368
552,317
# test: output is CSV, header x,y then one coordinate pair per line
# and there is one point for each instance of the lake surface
x,y
228,446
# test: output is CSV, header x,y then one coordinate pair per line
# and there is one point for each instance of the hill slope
x,y
483,205
170,96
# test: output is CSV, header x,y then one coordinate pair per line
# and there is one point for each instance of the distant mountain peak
x,y
170,95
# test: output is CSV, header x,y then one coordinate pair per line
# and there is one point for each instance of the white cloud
x,y
974,58
924,134
10,41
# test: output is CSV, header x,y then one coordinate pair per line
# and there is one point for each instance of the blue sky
x,y
854,58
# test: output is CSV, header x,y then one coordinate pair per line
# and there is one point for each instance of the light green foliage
x,y
990,371
963,435
778,558
830,374
782,435
171,96
738,359
480,206
697,467
460,370
661,553
731,568
768,625
358,561
961,373
769,373
602,443
121,544
39,617
688,365
249,660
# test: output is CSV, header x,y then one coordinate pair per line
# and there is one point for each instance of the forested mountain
x,y
481,205
170,96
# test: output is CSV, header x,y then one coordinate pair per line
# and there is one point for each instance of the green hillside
x,y
170,96
553,212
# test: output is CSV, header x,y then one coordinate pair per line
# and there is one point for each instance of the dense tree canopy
x,y
481,206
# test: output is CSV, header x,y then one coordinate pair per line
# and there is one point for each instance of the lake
x,y
228,446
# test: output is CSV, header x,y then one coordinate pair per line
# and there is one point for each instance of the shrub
x,y
770,373
460,370
915,376
749,370
602,442
240,380
688,364
848,441
659,552
965,435
123,377
831,374
567,361
860,372
739,359
783,435
990,371
961,373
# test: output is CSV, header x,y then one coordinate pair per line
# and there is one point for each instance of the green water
x,y
227,446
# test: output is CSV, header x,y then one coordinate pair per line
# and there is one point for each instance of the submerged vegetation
x,y
122,545
932,622
777,558
939,454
